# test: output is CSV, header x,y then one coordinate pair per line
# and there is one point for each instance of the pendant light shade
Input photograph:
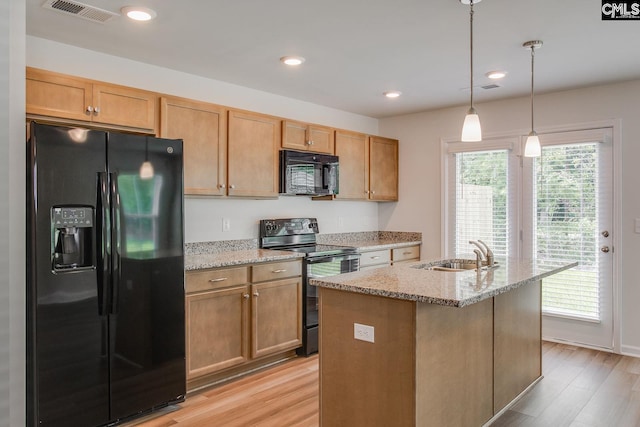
x,y
471,129
532,146
146,168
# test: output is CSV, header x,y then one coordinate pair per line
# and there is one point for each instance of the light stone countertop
x,y
456,289
232,258
380,244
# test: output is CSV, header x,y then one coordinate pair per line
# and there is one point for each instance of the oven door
x,y
319,267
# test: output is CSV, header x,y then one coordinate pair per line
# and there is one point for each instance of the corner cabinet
x,y
307,137
368,167
203,128
240,318
56,95
252,154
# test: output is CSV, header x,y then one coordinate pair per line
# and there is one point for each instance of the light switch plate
x,y
226,224
363,332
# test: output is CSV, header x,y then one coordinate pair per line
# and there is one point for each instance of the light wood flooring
x,y
580,388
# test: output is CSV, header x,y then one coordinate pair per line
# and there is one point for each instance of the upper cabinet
x,y
307,137
203,129
73,98
353,151
383,169
253,142
368,167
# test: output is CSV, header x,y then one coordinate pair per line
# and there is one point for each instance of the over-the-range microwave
x,y
308,174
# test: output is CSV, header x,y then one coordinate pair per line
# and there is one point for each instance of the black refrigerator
x,y
105,276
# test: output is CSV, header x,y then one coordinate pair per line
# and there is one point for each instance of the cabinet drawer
x,y
215,279
276,270
375,257
403,254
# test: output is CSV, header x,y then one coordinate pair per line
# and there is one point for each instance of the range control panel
x,y
288,227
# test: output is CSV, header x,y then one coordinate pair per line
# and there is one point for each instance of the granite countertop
x,y
379,244
235,257
456,289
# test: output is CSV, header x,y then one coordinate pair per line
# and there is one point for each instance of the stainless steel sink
x,y
451,265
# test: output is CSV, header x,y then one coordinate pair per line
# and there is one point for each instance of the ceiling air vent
x,y
490,86
69,7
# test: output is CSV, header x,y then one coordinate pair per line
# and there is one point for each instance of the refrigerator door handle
x,y
103,242
116,242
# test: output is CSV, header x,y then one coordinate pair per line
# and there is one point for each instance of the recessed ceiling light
x,y
138,13
495,75
292,60
392,93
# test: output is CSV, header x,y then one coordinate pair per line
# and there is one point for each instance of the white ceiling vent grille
x,y
70,7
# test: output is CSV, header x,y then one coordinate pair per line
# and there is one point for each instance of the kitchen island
x,y
409,346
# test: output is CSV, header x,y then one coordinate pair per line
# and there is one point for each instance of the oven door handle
x,y
331,258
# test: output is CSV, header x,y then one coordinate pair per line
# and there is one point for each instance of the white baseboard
x,y
629,350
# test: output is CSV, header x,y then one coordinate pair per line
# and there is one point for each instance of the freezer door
x,y
147,320
67,363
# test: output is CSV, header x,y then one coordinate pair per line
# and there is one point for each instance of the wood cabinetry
x,y
383,168
203,128
252,154
375,259
407,254
238,316
353,151
56,95
368,167
307,137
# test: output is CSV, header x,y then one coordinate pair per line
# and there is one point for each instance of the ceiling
x,y
357,49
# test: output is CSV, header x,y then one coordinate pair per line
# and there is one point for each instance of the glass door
x,y
570,197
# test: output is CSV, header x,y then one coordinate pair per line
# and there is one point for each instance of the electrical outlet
x,y
226,224
363,332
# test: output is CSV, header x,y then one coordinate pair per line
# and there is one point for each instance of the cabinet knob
x,y
309,142
605,249
245,296
373,192
223,186
256,294
96,110
232,186
89,109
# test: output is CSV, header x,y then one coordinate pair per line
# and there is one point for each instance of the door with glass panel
x,y
570,190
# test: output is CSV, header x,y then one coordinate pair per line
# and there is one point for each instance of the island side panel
x,y
518,342
454,364
363,383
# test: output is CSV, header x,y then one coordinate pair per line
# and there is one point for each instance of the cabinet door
x,y
383,168
217,330
124,106
253,154
294,135
321,139
353,151
203,128
276,316
55,95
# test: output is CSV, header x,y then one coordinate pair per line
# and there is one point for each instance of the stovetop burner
x,y
297,235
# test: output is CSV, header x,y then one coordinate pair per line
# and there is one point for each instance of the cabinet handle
x,y
309,142
245,296
256,294
221,279
375,257
367,192
373,192
89,109
222,186
406,253
232,186
96,110
282,270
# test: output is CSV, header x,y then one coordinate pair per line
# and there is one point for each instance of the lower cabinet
x,y
231,321
370,260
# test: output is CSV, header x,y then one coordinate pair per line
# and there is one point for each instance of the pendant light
x,y
146,169
471,130
532,146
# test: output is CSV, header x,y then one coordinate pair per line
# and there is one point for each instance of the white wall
x,y
419,208
12,208
203,216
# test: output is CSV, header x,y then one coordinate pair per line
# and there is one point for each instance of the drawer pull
x,y
282,270
375,257
221,279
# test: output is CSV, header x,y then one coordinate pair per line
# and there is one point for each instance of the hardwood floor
x,y
581,388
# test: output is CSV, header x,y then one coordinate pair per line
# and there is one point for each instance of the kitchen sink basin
x,y
452,265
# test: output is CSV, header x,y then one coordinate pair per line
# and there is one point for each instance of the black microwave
x,y
308,174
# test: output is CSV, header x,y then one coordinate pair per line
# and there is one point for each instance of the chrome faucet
x,y
484,252
478,260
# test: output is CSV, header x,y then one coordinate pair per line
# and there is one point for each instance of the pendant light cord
x,y
532,59
471,46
